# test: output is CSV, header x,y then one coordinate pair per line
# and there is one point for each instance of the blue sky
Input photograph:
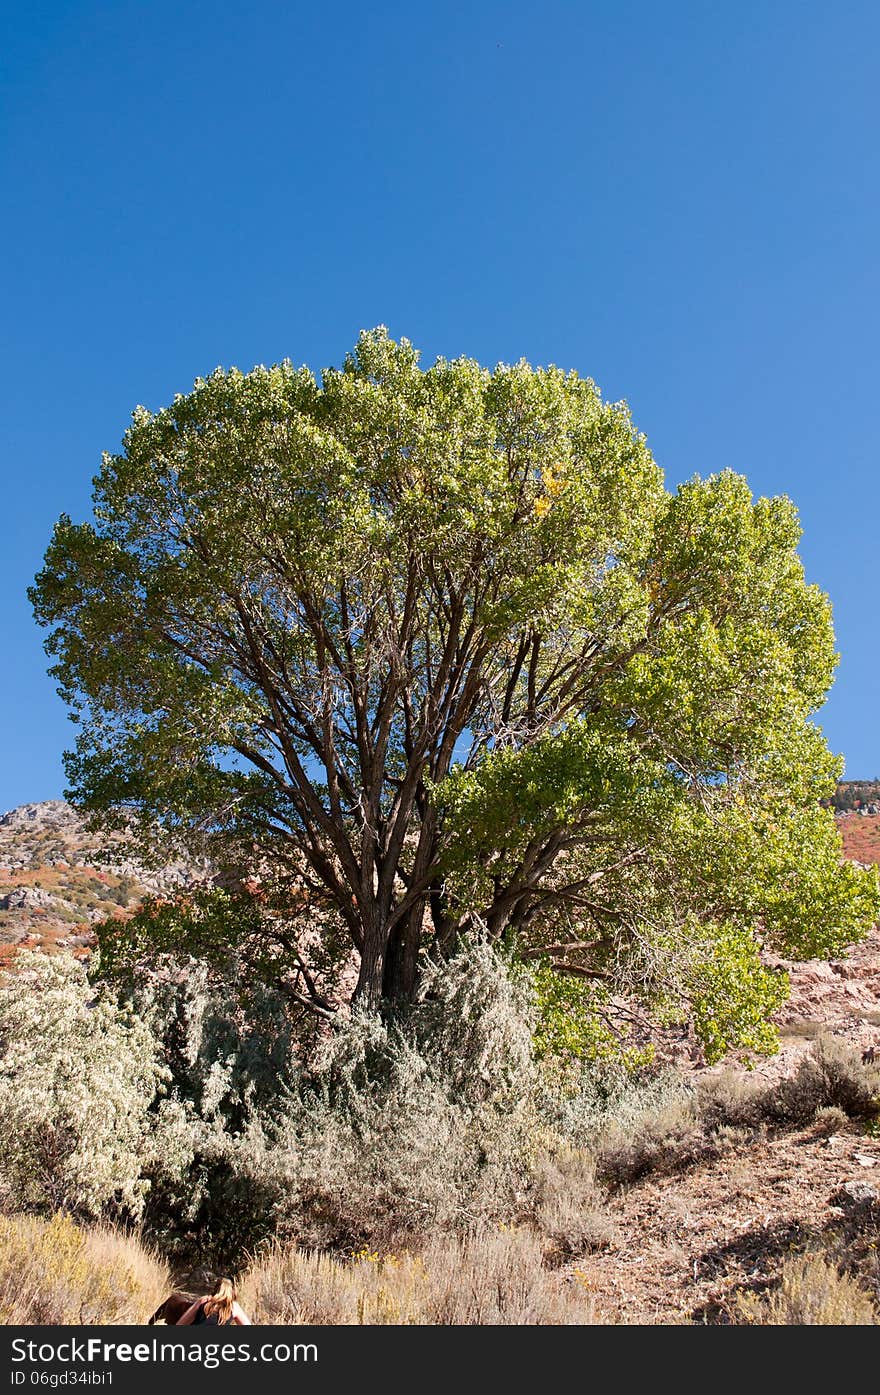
x,y
679,200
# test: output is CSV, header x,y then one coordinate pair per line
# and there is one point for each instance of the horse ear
x,y
160,1312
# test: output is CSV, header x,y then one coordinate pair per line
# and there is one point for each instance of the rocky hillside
x,y
695,1222
56,878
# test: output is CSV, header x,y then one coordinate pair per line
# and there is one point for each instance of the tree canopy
x,y
437,653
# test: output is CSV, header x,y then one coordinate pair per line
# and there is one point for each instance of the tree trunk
x,y
368,993
389,963
402,958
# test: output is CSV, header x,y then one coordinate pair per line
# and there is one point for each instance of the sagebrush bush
x,y
230,1050
629,1125
831,1080
55,1272
570,1209
812,1292
413,1124
662,1138
475,1022
830,1119
382,1132
388,1128
732,1099
831,1073
78,1076
576,1099
490,1277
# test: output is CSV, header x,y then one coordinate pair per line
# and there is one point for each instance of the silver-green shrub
x,y
405,1125
229,1047
78,1076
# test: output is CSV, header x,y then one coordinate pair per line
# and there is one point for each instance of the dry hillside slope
x,y
701,1224
57,878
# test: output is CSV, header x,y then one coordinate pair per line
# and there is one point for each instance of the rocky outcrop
x,y
51,813
26,898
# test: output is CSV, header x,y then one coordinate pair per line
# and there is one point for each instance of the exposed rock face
x,y
26,898
848,986
52,813
53,834
855,1194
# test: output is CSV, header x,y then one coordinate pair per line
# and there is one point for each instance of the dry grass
x,y
55,1273
494,1277
812,1293
831,1081
804,1028
571,1208
732,1098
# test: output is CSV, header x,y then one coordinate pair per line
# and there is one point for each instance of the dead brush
x,y
661,1138
831,1074
571,1209
831,1077
830,1119
492,1277
56,1273
730,1099
812,1292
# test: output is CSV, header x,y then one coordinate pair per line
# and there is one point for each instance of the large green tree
x,y
438,647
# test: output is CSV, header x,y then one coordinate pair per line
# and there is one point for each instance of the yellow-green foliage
x,y
732,995
54,1272
494,1277
568,1022
812,1293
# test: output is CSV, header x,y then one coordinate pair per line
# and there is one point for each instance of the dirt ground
x,y
687,1244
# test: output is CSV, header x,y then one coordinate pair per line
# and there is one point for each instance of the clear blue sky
x,y
680,200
